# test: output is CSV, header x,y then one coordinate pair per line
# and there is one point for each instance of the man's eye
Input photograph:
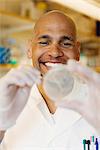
x,y
44,43
67,44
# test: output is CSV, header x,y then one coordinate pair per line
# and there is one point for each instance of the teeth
x,y
51,64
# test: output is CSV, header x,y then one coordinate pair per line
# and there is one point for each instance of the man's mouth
x,y
50,65
47,65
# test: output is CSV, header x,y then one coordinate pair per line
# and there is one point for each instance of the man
x,y
40,123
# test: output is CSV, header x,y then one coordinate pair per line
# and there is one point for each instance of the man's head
x,y
54,41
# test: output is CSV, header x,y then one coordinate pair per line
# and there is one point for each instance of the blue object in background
x,y
5,55
97,144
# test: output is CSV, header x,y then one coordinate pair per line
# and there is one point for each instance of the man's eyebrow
x,y
67,38
44,37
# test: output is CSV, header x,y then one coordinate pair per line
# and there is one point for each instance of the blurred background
x,y
17,19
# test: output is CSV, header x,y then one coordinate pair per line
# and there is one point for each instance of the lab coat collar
x,y
62,117
37,100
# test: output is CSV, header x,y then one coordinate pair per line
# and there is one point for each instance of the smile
x,y
49,64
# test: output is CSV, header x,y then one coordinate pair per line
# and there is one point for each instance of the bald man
x,y
31,119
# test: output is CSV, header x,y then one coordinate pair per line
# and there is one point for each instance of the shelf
x,y
4,68
97,69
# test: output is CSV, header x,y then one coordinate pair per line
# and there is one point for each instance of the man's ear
x,y
29,50
29,53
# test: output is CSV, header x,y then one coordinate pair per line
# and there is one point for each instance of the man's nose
x,y
55,51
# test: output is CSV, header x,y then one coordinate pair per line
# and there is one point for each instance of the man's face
x,y
53,43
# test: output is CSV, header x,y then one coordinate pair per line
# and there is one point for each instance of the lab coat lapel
x,y
55,124
60,122
64,119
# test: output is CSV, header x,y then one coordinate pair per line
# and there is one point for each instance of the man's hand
x,y
14,92
89,109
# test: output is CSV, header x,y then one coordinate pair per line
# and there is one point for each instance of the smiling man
x,y
53,42
40,124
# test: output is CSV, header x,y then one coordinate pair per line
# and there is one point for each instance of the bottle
x,y
97,144
92,146
59,83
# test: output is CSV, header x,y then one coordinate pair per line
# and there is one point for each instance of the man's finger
x,y
83,71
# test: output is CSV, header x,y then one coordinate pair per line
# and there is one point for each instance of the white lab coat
x,y
37,129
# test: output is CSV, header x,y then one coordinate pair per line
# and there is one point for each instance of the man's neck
x,y
50,104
